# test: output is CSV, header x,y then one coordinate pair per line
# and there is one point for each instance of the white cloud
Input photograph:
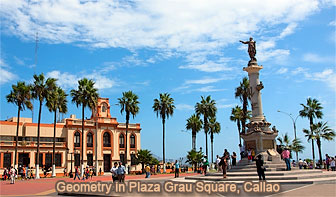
x,y
327,76
288,30
315,58
207,89
186,26
184,107
299,70
209,66
204,81
5,74
18,61
332,23
69,81
223,106
282,71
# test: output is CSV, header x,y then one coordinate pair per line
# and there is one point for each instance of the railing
x,y
30,143
132,126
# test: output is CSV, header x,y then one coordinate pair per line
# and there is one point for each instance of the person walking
x,y
234,159
227,154
242,151
327,161
205,164
114,172
147,170
12,175
217,163
177,169
223,163
260,167
285,155
249,155
121,172
76,173
332,164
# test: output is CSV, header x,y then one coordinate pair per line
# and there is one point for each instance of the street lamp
x,y
294,125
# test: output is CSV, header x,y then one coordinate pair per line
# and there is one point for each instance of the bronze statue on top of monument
x,y
251,50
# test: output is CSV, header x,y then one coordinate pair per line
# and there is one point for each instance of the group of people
x,y
226,162
330,162
118,172
88,173
22,172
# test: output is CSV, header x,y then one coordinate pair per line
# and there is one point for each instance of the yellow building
x,y
103,136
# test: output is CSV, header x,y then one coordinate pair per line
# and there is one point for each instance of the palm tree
x,y
237,116
194,123
214,128
87,96
311,110
20,95
128,103
295,145
244,94
164,108
56,101
207,107
322,131
144,157
194,158
41,89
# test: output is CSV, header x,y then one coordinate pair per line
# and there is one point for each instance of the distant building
x,y
110,141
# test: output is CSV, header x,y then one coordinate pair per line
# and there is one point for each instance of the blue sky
x,y
187,48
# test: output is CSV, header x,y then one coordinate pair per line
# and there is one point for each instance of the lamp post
x,y
294,125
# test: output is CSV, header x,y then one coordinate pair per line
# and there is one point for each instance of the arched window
x,y
132,143
104,107
77,139
89,137
107,139
121,141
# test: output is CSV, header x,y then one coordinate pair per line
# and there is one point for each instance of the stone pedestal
x,y
259,136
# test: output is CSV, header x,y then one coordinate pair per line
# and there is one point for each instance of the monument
x,y
258,136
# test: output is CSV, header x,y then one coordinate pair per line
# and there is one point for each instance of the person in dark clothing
x,y
234,159
260,167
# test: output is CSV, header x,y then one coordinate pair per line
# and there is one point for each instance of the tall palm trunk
x,y
82,152
127,122
238,126
244,115
54,144
211,138
37,176
194,140
206,135
318,142
163,148
313,149
17,137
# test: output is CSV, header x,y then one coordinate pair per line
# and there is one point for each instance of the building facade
x,y
104,139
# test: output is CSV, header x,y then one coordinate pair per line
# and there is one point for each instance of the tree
x,y
244,94
194,158
20,95
207,107
164,107
322,131
311,110
295,145
128,103
87,96
194,123
237,116
40,90
56,101
143,156
214,128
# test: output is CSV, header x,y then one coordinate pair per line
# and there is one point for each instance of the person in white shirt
x,y
217,164
332,164
300,163
114,172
